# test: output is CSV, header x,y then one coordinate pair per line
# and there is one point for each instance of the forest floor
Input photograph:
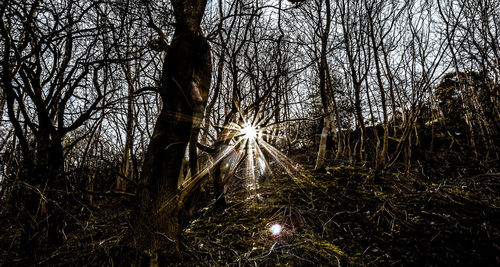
x,y
346,216
349,216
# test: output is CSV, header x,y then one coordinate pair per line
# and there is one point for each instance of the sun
x,y
247,142
249,132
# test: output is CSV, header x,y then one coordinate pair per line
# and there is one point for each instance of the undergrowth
x,y
346,216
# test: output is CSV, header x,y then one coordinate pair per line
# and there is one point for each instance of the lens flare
x,y
275,229
247,141
249,132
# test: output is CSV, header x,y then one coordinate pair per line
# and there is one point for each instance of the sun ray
x,y
218,158
252,183
266,163
246,138
281,158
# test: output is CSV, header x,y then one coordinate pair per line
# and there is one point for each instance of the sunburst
x,y
247,138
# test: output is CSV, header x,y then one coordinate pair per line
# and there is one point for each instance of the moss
x,y
339,216
321,251
328,218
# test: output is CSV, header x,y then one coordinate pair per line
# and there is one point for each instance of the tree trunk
x,y
382,157
121,184
323,72
184,88
39,195
337,125
320,160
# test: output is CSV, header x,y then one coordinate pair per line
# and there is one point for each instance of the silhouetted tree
x,y
184,87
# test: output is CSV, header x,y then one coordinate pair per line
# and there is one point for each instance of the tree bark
x,y
382,157
323,72
184,88
320,160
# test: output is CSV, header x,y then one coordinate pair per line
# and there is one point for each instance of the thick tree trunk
x,y
39,195
184,88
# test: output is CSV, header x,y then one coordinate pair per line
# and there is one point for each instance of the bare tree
x,y
184,87
358,59
46,75
324,74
